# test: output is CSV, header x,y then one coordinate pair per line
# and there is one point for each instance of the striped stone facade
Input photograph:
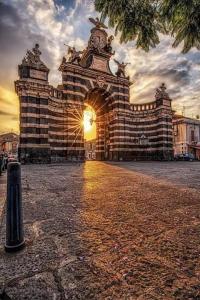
x,y
51,118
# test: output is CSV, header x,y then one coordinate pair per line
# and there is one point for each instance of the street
x,y
120,231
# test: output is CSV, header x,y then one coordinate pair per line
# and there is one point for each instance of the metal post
x,y
14,217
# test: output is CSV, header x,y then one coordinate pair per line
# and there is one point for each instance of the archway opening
x,y
89,123
90,134
96,124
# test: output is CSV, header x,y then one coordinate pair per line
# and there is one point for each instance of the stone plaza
x,y
120,231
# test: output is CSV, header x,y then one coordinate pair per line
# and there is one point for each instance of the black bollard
x,y
4,296
14,216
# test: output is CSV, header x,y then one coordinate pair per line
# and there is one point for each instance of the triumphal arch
x,y
51,118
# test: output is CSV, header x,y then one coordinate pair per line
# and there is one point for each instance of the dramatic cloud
x,y
55,23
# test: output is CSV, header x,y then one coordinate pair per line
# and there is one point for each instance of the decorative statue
x,y
29,58
75,55
98,23
32,58
110,39
95,43
36,51
108,47
121,68
63,60
161,92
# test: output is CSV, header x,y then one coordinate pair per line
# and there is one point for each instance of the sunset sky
x,y
53,23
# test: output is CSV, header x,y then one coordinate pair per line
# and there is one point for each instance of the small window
x,y
192,135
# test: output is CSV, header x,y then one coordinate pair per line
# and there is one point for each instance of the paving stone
x,y
42,286
126,231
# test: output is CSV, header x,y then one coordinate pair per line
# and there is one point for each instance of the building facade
x,y
90,149
9,143
51,118
186,133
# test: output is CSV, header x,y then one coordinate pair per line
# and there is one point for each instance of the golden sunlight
x,y
89,123
9,120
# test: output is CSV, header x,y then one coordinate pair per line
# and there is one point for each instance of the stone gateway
x,y
51,118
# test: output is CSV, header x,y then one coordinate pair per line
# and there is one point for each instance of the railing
x,y
143,107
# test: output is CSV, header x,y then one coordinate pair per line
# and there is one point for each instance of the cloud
x,y
164,64
52,24
15,38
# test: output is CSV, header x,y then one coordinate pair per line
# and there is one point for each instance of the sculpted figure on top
x,y
99,41
108,47
37,52
98,23
98,51
32,58
74,54
121,69
161,92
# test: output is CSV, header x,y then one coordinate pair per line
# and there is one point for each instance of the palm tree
x,y
143,20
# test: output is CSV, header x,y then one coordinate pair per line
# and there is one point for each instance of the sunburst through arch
x,y
89,123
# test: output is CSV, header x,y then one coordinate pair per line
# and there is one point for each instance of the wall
x,y
183,137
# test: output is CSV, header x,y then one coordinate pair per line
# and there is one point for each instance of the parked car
x,y
189,157
184,157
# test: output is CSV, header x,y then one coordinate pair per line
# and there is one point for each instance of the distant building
x,y
186,136
90,149
9,143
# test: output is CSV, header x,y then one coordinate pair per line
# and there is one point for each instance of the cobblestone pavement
x,y
105,231
179,173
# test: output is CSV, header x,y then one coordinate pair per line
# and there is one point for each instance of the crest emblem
x,y
101,81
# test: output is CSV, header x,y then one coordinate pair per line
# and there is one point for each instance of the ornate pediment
x,y
100,43
99,50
